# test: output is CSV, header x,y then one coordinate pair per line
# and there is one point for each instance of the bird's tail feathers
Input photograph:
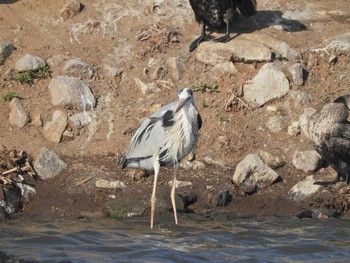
x,y
247,7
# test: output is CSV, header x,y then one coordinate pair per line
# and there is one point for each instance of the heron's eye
x,y
189,91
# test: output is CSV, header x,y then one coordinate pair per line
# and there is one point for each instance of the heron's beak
x,y
182,103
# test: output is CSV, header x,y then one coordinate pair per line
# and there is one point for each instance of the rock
x,y
18,115
304,120
300,98
12,202
48,164
37,121
56,60
296,70
76,68
6,50
126,207
79,120
28,192
53,130
195,165
340,43
308,161
281,48
303,189
113,71
102,183
272,161
276,124
224,68
294,129
29,62
269,84
179,184
146,88
176,67
221,198
253,174
70,9
187,199
214,53
71,92
211,161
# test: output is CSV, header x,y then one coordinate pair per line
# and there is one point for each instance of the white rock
x,y
77,68
224,68
294,129
191,165
340,43
214,53
252,174
80,119
102,183
179,184
71,92
48,164
29,62
303,189
146,88
270,83
18,115
276,124
176,67
296,71
308,161
272,161
53,130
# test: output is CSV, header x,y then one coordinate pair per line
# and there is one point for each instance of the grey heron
x,y
164,139
329,131
217,14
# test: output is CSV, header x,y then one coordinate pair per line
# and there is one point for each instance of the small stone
x,y
48,164
77,68
308,161
6,50
79,120
113,71
252,174
28,192
297,74
221,198
276,124
188,198
269,84
70,9
195,165
294,129
102,183
176,67
18,115
300,98
37,121
303,189
147,88
126,207
53,130
179,184
71,92
29,62
224,68
56,60
272,161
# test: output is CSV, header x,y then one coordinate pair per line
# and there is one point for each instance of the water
x,y
194,240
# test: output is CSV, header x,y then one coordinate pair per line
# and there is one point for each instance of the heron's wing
x,y
339,143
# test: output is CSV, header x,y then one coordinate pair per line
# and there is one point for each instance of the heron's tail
x,y
246,7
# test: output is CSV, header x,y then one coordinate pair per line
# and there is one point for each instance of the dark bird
x,y
217,14
329,131
164,139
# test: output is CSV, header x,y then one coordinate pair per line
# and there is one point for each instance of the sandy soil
x,y
98,35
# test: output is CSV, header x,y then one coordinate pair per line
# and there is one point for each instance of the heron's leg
x,y
153,197
325,183
202,38
172,195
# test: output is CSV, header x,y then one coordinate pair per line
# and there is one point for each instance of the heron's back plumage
x,y
165,136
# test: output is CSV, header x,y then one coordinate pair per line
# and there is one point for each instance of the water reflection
x,y
241,240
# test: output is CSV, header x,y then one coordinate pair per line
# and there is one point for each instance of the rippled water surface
x,y
194,240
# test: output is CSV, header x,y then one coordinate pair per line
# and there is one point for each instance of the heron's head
x,y
185,97
345,100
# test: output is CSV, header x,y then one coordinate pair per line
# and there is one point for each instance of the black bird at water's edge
x,y
329,131
217,14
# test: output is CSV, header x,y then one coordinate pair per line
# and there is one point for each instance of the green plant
x,y
223,118
2,60
28,76
204,87
203,104
10,95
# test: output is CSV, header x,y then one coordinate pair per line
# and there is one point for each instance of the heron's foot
x,y
200,39
226,38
